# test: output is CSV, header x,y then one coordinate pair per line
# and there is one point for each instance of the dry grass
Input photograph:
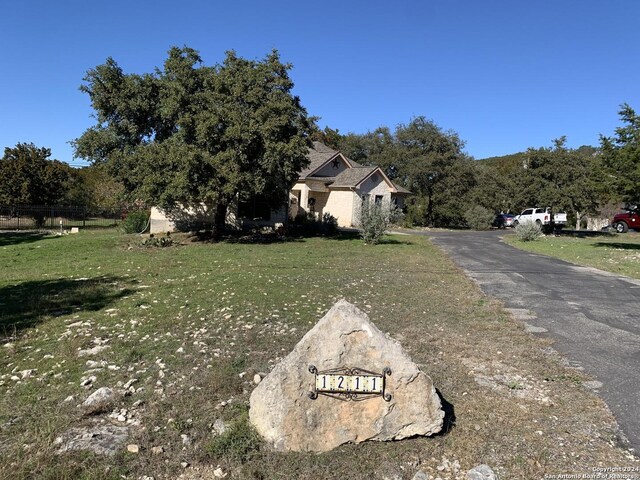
x,y
192,324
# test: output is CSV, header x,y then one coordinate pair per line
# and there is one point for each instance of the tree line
x,y
189,133
447,183
30,177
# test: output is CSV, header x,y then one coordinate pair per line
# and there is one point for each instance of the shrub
x,y
157,242
375,219
329,224
309,225
479,218
136,222
528,232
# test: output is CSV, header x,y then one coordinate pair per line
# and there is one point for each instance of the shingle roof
x,y
318,155
401,189
352,176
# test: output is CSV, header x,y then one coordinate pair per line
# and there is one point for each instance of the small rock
x,y
420,475
481,472
86,381
257,378
218,473
157,450
133,448
185,439
27,373
92,351
99,400
184,464
129,383
219,426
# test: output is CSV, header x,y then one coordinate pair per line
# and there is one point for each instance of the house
x,y
335,184
332,183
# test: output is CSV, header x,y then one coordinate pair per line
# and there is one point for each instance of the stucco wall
x,y
159,222
340,204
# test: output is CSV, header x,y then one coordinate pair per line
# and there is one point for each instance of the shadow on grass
x,y
449,420
28,303
618,245
393,241
15,238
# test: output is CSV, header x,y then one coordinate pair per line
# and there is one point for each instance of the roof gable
x,y
353,175
320,155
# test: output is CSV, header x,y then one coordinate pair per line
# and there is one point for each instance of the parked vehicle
x,y
504,220
629,218
543,217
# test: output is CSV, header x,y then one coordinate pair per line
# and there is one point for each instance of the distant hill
x,y
508,164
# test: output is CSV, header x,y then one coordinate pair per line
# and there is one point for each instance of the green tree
x,y
30,177
432,164
427,160
620,159
190,134
560,178
94,188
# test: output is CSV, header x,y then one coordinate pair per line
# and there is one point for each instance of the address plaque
x,y
349,383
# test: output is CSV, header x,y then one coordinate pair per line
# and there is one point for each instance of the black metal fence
x,y
34,217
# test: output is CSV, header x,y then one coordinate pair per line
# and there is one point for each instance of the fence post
x,y
84,217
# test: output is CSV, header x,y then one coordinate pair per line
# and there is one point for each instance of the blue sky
x,y
504,74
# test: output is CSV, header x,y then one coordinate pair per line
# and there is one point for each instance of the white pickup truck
x,y
543,217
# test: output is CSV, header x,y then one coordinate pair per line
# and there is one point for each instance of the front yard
x,y
186,328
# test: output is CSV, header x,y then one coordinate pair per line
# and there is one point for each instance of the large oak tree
x,y
195,135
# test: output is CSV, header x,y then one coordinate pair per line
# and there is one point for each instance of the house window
x,y
378,199
365,198
255,208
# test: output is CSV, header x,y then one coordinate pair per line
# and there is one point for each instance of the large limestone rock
x,y
282,412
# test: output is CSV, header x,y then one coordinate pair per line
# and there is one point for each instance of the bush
x,y
136,222
528,231
375,219
479,218
157,242
309,225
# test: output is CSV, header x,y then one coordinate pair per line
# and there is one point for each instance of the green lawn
x,y
615,253
193,324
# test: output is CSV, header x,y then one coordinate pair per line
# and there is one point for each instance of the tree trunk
x,y
577,220
219,220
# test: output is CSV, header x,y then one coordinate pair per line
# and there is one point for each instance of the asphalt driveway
x,y
593,316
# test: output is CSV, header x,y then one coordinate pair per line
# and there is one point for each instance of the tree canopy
x,y
30,177
422,157
560,178
191,134
620,161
